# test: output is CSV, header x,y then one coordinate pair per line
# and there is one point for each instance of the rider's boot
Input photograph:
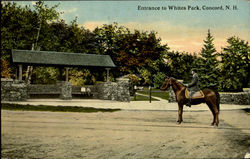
x,y
188,102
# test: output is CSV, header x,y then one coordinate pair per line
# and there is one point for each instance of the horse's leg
x,y
215,111
212,110
180,111
216,114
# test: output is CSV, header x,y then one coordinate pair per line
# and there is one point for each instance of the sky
x,y
181,30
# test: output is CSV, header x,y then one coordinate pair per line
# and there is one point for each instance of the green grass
x,y
8,106
142,98
159,93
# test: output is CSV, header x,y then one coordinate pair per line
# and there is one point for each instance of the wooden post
x,y
107,74
20,72
16,73
67,74
150,92
135,89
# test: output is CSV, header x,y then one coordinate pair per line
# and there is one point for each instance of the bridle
x,y
166,84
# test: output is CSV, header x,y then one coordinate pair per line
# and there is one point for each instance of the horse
x,y
211,98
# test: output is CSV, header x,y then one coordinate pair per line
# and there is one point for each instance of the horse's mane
x,y
173,78
176,81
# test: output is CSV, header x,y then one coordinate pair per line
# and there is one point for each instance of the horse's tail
x,y
217,100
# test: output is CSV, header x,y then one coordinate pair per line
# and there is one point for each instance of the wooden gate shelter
x,y
61,60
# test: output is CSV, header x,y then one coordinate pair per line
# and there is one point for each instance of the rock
x,y
117,91
13,90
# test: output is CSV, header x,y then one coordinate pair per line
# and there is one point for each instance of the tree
x,y
22,28
159,78
180,64
234,67
45,75
141,50
5,69
17,31
131,52
207,66
45,14
108,38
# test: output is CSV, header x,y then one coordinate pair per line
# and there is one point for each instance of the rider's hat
x,y
194,69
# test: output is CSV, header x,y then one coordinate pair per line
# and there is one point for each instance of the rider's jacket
x,y
194,84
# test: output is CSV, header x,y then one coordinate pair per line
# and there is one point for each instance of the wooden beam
x,y
16,73
108,74
20,72
67,74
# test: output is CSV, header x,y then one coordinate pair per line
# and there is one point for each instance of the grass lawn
x,y
156,93
8,106
142,98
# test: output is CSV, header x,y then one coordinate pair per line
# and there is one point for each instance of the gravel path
x,y
133,105
127,134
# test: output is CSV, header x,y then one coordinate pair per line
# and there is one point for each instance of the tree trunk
x,y
34,47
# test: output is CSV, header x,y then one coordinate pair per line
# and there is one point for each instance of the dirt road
x,y
124,134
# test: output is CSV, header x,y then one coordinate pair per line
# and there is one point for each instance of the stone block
x,y
117,91
66,90
13,91
239,98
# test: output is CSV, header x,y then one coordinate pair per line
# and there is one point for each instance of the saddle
x,y
198,94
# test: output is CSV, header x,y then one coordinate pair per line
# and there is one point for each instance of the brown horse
x,y
211,98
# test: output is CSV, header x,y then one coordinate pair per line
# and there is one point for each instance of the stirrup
x,y
188,105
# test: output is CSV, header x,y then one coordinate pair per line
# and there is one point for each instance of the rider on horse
x,y
193,86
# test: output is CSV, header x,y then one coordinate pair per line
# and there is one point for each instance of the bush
x,y
159,79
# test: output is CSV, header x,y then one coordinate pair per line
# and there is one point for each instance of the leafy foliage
x,y
45,15
17,31
45,75
81,77
130,51
207,66
134,80
134,52
5,69
146,76
159,78
234,66
179,64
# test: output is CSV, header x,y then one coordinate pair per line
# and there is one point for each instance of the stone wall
x,y
117,91
123,93
239,98
43,89
107,90
172,98
18,91
62,88
65,90
13,90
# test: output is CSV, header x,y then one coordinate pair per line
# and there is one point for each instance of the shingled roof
x,y
51,58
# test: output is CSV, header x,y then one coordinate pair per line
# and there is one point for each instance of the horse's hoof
x,y
179,122
214,124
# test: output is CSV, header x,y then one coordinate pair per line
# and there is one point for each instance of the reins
x,y
177,82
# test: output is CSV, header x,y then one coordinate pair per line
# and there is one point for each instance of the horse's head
x,y
167,83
